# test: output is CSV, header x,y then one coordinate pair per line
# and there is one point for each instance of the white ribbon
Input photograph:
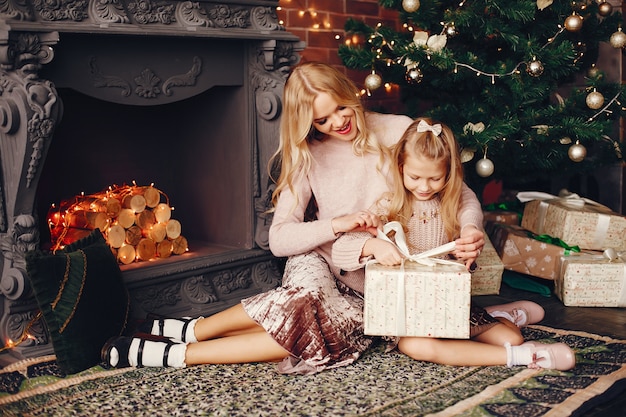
x,y
424,258
423,126
565,197
574,201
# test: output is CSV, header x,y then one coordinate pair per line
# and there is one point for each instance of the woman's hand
x,y
361,221
386,253
469,245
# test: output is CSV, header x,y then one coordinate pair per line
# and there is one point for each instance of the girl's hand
x,y
362,221
384,252
469,245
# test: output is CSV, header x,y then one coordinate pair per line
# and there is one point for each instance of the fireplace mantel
x,y
139,53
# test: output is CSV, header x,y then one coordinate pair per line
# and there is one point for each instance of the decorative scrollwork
x,y
17,9
184,80
108,11
22,237
155,297
191,14
267,275
146,11
147,84
51,10
229,281
198,291
17,323
100,80
224,16
265,18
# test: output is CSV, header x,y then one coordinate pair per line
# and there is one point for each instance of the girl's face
x,y
424,177
333,120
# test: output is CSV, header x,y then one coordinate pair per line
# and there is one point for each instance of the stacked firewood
x,y
136,221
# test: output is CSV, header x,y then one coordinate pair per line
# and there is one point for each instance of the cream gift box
x,y
522,251
417,300
487,277
424,296
592,280
578,222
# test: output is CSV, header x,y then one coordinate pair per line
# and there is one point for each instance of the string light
x,y
11,344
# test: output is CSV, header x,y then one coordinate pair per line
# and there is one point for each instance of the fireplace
x,y
182,95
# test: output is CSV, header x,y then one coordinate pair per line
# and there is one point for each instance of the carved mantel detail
x,y
31,109
29,112
187,15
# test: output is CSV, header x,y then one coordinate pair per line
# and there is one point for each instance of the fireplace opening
x,y
197,151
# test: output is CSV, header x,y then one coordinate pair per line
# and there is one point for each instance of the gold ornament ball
x,y
594,72
618,39
574,23
577,152
534,68
605,9
410,5
414,76
594,100
484,167
373,81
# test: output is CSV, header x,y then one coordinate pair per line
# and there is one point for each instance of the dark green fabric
x,y
92,305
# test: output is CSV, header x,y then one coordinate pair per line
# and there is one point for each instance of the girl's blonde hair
x,y
305,83
442,147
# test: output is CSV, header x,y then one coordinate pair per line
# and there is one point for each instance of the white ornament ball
x,y
414,76
618,39
484,167
373,81
534,68
577,152
594,100
410,5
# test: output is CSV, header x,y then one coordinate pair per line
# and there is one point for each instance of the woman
x,y
333,152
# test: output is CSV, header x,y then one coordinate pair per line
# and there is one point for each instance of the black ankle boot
x,y
116,351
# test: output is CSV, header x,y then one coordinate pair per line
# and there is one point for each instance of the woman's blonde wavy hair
x,y
443,147
305,82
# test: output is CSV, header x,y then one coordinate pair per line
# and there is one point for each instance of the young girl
x,y
332,151
428,178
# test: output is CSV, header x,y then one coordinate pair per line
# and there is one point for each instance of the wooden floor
x,y
598,320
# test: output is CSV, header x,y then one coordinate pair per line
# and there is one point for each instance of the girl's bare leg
x,y
453,351
229,322
486,348
242,348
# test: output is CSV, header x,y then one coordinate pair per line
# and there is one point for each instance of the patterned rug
x,y
379,384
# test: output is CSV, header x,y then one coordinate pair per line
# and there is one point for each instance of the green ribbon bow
x,y
555,241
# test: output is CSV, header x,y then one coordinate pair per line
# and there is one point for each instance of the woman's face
x,y
424,177
333,120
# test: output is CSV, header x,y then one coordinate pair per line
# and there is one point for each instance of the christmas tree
x,y
516,80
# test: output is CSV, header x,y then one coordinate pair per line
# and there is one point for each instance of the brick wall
x,y
320,23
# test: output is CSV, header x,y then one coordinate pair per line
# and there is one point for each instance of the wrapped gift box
x,y
487,277
417,300
520,251
500,216
591,281
586,225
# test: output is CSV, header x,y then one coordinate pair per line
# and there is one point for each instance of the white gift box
x,y
417,300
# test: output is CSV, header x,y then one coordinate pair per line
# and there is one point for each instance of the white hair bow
x,y
423,126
